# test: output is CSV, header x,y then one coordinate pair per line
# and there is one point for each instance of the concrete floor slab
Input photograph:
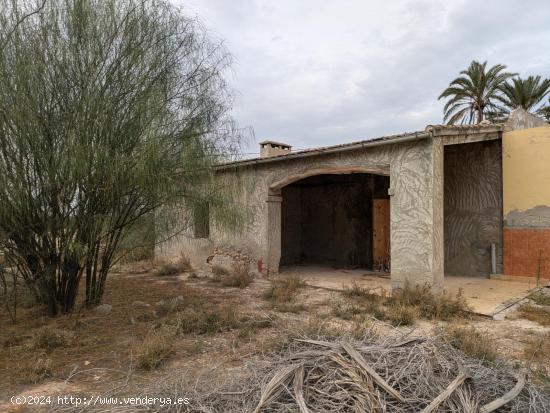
x,y
485,296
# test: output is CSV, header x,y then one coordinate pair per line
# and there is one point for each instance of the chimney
x,y
270,148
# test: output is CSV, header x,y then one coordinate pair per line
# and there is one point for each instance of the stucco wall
x,y
473,207
415,169
526,182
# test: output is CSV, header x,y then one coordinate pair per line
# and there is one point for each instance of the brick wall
x,y
527,252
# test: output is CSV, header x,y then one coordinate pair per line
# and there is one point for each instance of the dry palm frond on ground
x,y
391,375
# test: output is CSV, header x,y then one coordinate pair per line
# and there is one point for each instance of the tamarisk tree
x,y
109,111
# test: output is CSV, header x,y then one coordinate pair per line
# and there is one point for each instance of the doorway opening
x,y
339,220
473,208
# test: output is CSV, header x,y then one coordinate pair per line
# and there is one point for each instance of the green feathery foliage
x,y
473,95
110,111
525,93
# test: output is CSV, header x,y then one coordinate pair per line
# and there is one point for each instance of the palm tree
x,y
525,93
473,95
545,112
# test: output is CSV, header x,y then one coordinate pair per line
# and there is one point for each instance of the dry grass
x,y
239,277
400,309
205,320
35,368
282,293
537,354
284,288
539,315
219,271
540,298
154,350
471,342
183,264
106,342
401,315
430,305
47,338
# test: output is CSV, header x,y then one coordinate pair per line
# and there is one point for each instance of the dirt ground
x,y
101,349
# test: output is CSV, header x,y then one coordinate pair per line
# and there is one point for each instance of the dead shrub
x,y
35,369
289,307
183,264
205,321
363,293
471,342
537,314
154,350
430,305
249,326
239,277
170,305
401,315
345,310
284,289
540,298
537,353
539,350
48,338
218,272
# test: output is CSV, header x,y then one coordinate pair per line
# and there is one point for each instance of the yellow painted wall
x,y
526,168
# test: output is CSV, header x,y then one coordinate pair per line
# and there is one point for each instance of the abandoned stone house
x,y
470,200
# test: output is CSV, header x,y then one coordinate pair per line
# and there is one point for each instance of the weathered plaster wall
x,y
415,169
526,176
473,205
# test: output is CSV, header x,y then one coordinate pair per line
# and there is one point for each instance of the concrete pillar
x,y
416,204
438,247
273,233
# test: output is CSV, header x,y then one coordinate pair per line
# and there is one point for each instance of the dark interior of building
x,y
472,207
337,220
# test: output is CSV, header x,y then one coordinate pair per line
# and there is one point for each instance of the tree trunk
x,y
479,115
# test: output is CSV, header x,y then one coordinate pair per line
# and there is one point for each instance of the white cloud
x,y
319,72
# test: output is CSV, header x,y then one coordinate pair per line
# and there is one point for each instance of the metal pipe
x,y
493,259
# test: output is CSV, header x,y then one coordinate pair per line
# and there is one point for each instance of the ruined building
x,y
469,200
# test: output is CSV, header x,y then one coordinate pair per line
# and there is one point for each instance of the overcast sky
x,y
321,72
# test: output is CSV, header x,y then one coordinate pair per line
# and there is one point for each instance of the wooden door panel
x,y
381,234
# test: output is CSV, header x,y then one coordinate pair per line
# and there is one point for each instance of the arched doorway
x,y
338,218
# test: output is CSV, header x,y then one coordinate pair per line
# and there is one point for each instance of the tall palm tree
x,y
525,93
473,95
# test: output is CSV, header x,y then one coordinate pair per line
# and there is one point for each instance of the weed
x,y
48,338
539,315
540,298
358,292
401,315
284,289
239,276
430,305
539,350
471,342
345,310
170,305
35,369
183,264
205,321
289,307
218,273
153,350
